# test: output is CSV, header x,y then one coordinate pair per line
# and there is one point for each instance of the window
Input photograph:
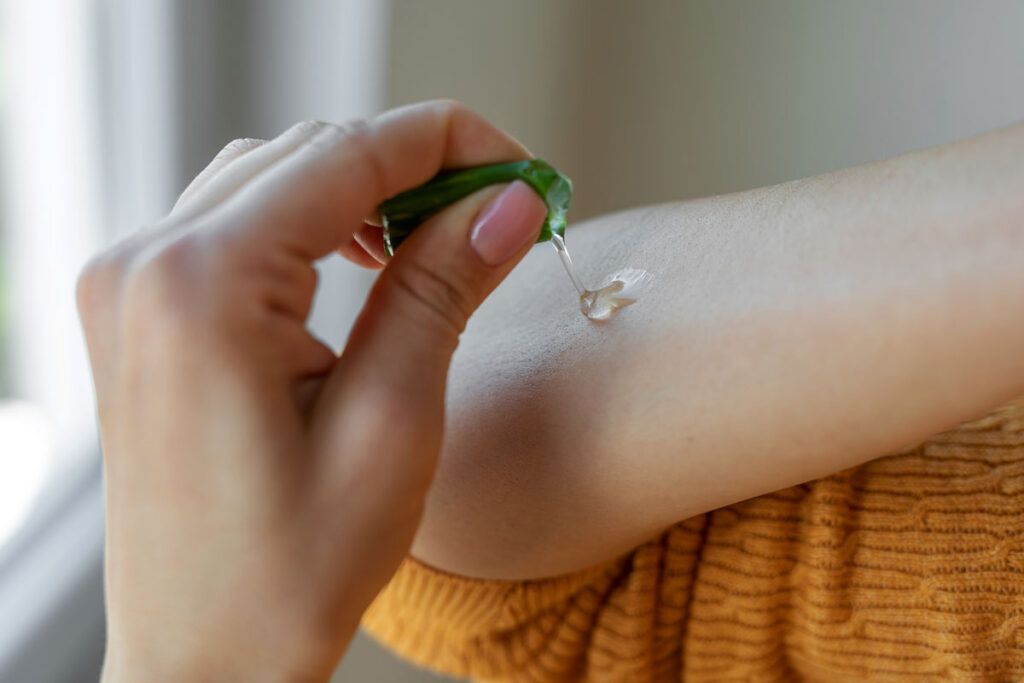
x,y
50,218
107,109
4,362
50,223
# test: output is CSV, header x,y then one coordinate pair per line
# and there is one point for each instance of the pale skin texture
x,y
260,490
790,332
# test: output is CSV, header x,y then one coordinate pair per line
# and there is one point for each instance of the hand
x,y
260,489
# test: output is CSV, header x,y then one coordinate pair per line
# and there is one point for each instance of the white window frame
x,y
52,216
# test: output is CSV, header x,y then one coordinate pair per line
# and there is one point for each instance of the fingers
x,y
354,251
229,153
422,301
366,248
395,363
313,200
371,238
238,163
307,191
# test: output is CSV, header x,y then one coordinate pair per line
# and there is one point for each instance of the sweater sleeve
x,y
907,567
621,620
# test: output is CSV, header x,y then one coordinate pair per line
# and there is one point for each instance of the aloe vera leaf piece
x,y
405,211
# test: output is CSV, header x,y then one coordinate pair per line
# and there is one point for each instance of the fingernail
x,y
508,223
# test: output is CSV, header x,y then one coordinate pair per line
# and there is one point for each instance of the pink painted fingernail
x,y
509,222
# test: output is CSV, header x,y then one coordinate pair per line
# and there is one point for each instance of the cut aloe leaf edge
x,y
404,212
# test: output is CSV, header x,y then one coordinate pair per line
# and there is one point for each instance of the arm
x,y
791,332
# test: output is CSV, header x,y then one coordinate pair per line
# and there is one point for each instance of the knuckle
x,y
352,140
161,281
102,276
309,128
450,105
239,146
327,136
355,128
457,114
359,139
432,299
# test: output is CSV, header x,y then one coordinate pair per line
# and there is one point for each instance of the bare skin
x,y
260,489
791,332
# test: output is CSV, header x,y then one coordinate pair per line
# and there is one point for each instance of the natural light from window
x,y
26,432
49,225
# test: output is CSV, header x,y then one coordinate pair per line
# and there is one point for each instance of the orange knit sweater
x,y
910,567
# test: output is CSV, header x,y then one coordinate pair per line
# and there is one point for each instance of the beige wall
x,y
653,100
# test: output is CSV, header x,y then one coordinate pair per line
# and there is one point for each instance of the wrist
x,y
292,647
229,665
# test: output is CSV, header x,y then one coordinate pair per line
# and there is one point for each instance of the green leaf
x,y
404,212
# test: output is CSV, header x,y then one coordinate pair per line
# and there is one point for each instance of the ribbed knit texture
x,y
910,567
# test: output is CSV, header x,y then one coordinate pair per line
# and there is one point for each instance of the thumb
x,y
395,364
423,299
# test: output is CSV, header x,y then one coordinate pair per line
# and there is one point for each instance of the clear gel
x,y
603,303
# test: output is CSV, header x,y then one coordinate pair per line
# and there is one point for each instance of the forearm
x,y
791,332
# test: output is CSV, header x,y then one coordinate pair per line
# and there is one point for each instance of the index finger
x,y
316,198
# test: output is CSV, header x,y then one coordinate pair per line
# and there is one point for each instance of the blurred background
x,y
109,107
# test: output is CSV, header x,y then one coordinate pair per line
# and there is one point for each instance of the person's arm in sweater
x,y
790,332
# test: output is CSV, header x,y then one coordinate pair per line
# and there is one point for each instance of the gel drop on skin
x,y
605,302
401,214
